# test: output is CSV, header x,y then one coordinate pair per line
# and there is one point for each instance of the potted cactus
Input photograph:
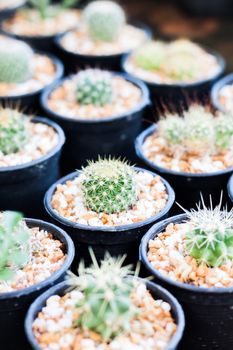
x,y
191,255
194,152
101,39
29,160
101,113
34,256
108,205
41,21
24,73
175,71
109,313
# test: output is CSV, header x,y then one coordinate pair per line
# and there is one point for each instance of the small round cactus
x,y
15,61
94,87
108,186
13,131
172,129
180,66
150,56
224,131
104,20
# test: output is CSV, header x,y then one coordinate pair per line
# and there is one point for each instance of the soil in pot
x,y
29,160
109,206
101,39
150,318
101,113
193,151
191,254
176,72
34,256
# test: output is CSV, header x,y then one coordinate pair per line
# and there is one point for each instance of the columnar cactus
x,y
224,131
106,306
15,61
150,56
104,20
13,131
94,87
108,186
14,244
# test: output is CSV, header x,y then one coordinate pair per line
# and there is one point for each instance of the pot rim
x,y
107,229
145,101
139,141
60,288
65,266
51,153
226,80
230,187
151,233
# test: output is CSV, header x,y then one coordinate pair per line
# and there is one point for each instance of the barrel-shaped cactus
x,y
172,129
150,56
104,20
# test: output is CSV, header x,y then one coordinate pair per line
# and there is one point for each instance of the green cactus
x,y
104,20
94,87
108,186
172,129
14,244
106,306
150,56
180,66
13,131
46,9
224,131
210,241
15,61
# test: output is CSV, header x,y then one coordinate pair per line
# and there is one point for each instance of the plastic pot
x,y
87,139
74,61
60,289
230,188
208,311
22,187
118,240
176,97
30,101
227,80
187,186
14,305
8,12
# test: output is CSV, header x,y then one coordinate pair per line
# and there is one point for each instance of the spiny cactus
x,y
172,128
106,307
224,131
14,244
13,131
108,186
104,20
210,240
46,9
150,56
94,87
15,61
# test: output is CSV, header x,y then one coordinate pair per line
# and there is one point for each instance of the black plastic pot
x,y
14,305
227,80
22,187
74,61
208,311
177,97
60,289
8,12
230,188
117,240
89,139
30,101
187,186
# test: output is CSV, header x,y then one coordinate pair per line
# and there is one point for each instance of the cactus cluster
x,y
94,87
106,306
210,240
14,244
13,131
16,59
104,20
108,186
46,9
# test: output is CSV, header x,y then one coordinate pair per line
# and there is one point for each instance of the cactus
x,y
94,87
14,244
180,66
15,61
104,20
108,186
46,9
13,131
150,56
106,306
172,129
224,131
210,240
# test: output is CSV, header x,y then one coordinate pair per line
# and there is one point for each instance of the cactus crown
x,y
150,56
46,9
210,240
94,87
106,306
14,244
13,131
109,186
15,61
104,20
